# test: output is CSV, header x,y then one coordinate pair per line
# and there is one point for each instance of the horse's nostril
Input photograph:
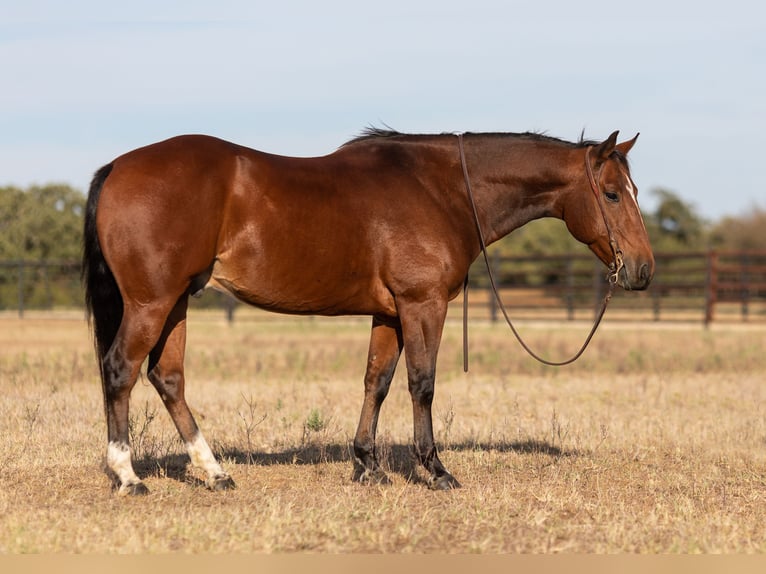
x,y
643,273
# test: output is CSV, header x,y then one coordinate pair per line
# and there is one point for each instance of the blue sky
x,y
84,82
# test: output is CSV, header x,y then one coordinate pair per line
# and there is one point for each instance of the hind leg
x,y
166,373
139,330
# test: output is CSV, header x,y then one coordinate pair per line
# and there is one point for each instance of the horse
x,y
385,226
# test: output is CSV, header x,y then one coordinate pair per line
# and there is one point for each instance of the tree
x,y
745,232
546,236
674,225
536,239
41,223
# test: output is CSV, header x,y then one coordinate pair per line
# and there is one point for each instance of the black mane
x,y
375,133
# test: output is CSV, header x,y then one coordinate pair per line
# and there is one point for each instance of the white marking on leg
x,y
202,457
118,461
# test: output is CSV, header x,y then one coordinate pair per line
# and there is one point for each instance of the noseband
x,y
614,268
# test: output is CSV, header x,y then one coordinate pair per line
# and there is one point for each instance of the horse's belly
x,y
301,290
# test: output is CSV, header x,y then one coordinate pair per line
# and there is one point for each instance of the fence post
x,y
656,290
744,280
229,303
598,287
495,263
21,289
570,289
44,266
711,286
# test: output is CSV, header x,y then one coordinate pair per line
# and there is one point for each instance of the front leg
x,y
422,325
383,355
422,391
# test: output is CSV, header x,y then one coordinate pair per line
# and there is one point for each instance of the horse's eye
x,y
612,196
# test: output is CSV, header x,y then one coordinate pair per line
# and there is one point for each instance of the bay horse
x,y
382,227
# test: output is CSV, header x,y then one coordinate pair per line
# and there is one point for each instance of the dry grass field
x,y
653,442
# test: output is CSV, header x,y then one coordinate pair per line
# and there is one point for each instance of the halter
x,y
614,268
617,264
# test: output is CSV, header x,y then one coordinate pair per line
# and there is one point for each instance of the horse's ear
x,y
603,150
625,147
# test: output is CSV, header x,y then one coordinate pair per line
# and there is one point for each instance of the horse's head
x,y
603,213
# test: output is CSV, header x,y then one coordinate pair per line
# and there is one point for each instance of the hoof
x,y
221,482
367,476
134,489
443,482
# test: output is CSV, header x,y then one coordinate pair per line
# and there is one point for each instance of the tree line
x,y
44,224
41,223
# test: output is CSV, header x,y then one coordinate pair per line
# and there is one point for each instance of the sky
x,y
82,82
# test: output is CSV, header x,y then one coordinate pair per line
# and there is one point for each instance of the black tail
x,y
103,301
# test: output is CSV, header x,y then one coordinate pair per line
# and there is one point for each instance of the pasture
x,y
653,442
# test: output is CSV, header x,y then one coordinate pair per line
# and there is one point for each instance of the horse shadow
x,y
394,458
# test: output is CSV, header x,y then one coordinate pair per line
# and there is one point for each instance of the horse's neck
x,y
512,193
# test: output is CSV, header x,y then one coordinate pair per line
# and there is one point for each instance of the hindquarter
x,y
160,213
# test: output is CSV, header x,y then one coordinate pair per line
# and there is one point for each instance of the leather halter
x,y
614,268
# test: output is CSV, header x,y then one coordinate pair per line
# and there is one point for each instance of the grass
x,y
653,442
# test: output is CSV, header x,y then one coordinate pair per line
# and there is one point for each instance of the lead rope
x,y
614,270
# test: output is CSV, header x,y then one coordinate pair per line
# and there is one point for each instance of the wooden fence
x,y
39,285
705,286
700,286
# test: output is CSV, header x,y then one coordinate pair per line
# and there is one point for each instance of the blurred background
x,y
83,84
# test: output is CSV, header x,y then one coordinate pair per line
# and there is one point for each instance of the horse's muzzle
x,y
636,277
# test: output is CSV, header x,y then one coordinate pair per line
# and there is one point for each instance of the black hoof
x,y
135,489
218,483
367,476
443,482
